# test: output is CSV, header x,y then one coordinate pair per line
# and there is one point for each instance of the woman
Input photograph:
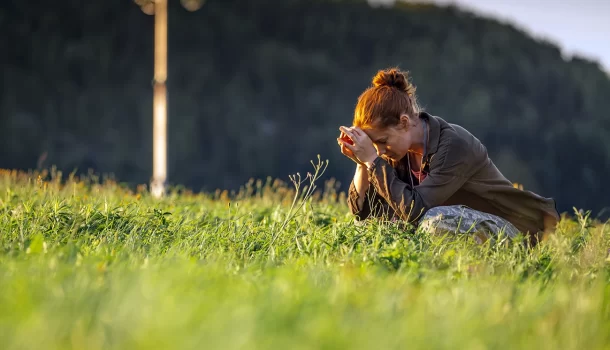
x,y
416,167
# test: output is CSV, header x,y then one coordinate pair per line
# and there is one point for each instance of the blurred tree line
x,y
259,88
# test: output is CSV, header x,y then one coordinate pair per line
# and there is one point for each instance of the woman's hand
x,y
344,139
362,148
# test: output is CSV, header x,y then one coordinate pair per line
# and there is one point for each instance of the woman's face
x,y
395,141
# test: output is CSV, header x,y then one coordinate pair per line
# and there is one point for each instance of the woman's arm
x,y
361,184
358,196
363,200
450,168
357,199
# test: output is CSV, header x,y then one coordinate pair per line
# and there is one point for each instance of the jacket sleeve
x,y
374,204
450,167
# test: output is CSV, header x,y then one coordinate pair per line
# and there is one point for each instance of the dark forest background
x,y
259,88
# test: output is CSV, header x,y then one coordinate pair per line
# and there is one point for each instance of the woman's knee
x,y
463,219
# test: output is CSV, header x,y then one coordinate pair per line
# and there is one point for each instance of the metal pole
x,y
159,178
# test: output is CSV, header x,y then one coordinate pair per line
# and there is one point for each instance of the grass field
x,y
88,264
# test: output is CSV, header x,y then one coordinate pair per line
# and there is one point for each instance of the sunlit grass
x,y
90,264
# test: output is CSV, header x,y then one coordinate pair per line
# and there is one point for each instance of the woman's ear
x,y
405,122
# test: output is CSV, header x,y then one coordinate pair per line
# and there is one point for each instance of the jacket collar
x,y
434,126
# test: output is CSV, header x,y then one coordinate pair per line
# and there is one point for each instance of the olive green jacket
x,y
459,171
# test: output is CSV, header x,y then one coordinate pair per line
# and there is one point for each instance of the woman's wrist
x,y
369,163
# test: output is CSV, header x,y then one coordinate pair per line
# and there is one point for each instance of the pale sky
x,y
576,26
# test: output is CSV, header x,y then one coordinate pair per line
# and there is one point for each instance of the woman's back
x,y
487,189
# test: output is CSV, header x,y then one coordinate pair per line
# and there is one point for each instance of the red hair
x,y
382,104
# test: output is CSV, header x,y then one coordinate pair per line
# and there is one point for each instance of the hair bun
x,y
394,78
